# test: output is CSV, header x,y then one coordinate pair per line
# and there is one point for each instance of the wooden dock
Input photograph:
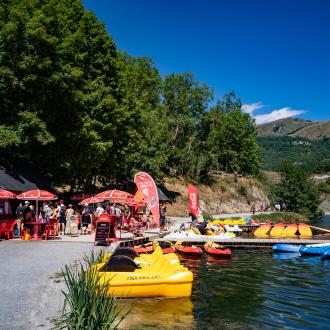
x,y
252,243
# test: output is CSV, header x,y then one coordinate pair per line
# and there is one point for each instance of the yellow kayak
x,y
277,230
262,231
290,230
304,230
139,277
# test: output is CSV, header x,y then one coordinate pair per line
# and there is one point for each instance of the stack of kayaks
x,y
216,249
153,275
279,230
188,249
315,249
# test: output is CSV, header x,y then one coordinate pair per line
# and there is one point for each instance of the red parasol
x,y
115,195
37,195
91,200
79,197
5,194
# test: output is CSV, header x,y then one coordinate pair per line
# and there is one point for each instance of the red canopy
x,y
115,195
4,194
79,197
37,195
91,200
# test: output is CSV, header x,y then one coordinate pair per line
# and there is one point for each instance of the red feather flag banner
x,y
145,183
193,199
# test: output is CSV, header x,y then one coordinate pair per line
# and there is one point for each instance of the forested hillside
x,y
311,155
85,113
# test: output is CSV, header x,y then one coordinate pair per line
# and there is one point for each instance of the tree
x,y
298,191
232,137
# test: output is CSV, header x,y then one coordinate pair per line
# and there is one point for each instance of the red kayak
x,y
167,247
188,249
216,250
145,248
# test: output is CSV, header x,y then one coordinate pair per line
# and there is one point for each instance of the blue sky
x,y
275,54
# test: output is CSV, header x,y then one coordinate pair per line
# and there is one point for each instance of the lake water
x,y
252,290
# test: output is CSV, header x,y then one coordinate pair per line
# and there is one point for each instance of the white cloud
x,y
277,114
251,107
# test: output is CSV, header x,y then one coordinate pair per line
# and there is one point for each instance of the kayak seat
x,y
119,264
186,244
125,251
164,244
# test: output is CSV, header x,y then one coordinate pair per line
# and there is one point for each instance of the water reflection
x,y
162,313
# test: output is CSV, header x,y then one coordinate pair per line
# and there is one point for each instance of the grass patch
x,y
86,301
287,217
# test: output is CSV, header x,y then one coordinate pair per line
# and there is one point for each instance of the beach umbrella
x,y
115,195
91,200
79,197
5,194
37,195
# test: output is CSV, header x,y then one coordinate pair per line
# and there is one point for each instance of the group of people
x,y
84,218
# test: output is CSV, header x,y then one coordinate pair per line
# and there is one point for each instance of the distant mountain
x,y
296,127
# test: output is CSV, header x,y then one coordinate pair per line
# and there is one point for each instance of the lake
x,y
252,290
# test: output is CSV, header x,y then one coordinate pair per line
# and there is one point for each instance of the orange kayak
x,y
216,250
290,230
263,230
277,230
144,248
304,230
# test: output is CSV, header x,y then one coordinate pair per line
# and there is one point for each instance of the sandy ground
x,y
30,295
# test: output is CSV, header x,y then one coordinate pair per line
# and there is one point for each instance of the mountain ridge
x,y
295,127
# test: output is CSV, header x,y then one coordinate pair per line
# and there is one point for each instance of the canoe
x,y
216,249
277,230
325,255
286,248
159,278
188,249
290,230
304,230
315,249
263,230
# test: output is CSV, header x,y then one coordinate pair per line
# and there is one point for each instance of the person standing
x,y
99,210
162,218
61,209
118,214
48,211
86,218
19,215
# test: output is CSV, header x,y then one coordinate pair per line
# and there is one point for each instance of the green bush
x,y
86,302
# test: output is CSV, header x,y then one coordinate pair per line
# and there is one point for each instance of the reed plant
x,y
87,304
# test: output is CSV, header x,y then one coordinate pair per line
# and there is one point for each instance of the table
x,y
35,229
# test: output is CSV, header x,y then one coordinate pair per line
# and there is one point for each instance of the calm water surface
x,y
252,290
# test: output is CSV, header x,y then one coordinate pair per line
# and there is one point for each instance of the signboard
x,y
105,230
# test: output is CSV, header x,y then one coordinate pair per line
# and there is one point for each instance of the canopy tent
x,y
161,196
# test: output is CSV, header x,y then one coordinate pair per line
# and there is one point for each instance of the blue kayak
x,y
325,255
286,248
315,249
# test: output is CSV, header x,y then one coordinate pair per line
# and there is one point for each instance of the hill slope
x,y
296,127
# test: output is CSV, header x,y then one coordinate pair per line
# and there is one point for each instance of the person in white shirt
x,y
118,214
99,210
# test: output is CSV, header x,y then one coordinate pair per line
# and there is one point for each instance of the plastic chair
x,y
51,229
4,229
11,225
